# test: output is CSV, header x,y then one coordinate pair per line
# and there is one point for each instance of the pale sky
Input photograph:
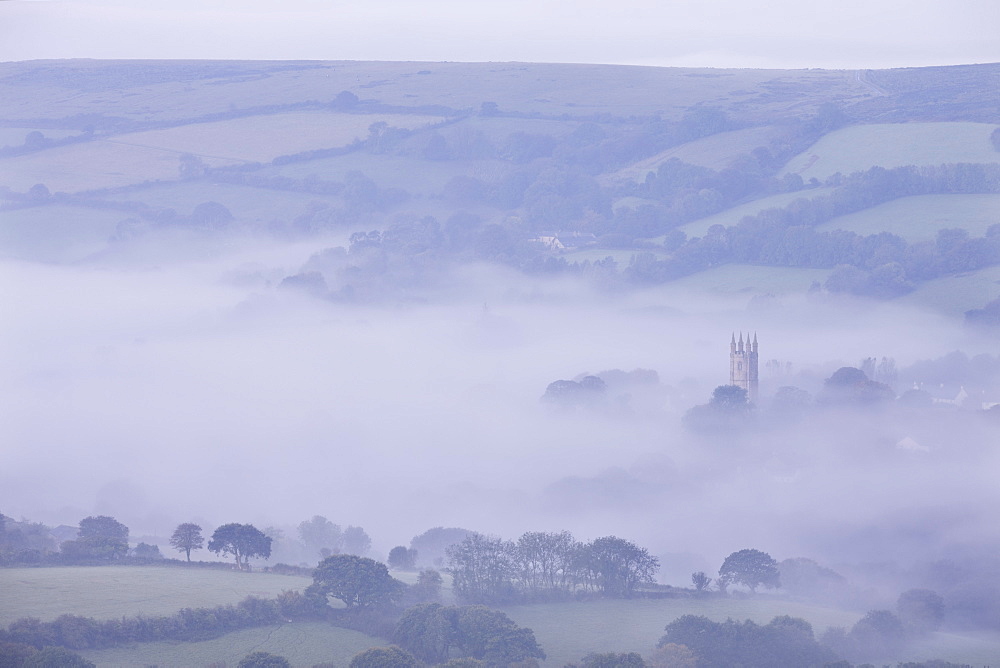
x,y
717,33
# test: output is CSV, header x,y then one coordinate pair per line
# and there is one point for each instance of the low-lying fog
x,y
194,390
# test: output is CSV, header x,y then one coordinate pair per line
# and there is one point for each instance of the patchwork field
x,y
733,216
954,295
113,591
302,643
56,233
749,280
715,152
93,165
858,147
568,631
263,138
919,218
246,204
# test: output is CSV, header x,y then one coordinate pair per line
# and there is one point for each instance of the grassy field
x,y
568,631
954,295
859,147
56,233
15,136
302,643
733,216
716,152
919,218
413,175
263,138
737,279
246,203
114,591
155,155
153,91
92,165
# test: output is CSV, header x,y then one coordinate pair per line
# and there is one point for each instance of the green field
x,y
858,147
733,216
568,631
954,295
247,204
749,280
715,152
263,138
56,233
113,591
302,643
919,218
412,174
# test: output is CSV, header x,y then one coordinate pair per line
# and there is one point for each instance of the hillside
x,y
460,162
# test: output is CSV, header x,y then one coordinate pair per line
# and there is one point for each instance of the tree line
x,y
547,565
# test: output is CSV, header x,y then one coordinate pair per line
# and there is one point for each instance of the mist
x,y
189,386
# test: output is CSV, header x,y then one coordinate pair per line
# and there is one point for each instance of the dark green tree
x,y
357,581
751,568
263,660
384,657
56,657
100,537
242,541
187,537
402,558
427,630
613,660
621,565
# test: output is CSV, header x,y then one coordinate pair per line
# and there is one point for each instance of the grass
x,y
919,218
56,233
735,279
568,631
155,155
733,216
113,591
302,643
715,152
246,203
15,136
414,175
859,147
263,138
954,295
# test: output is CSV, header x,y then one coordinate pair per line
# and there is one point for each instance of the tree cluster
x,y
435,633
542,565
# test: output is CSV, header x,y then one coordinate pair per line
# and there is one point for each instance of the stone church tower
x,y
743,365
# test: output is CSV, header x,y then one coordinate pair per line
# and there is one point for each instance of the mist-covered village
x,y
323,363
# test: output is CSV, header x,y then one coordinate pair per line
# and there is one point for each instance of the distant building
x,y
743,365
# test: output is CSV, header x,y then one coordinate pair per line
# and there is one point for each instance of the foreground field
x,y
568,631
113,591
303,644
920,218
856,148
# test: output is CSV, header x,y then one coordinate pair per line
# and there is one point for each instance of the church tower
x,y
743,365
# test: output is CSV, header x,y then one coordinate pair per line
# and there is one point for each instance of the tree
x,y
432,544
243,541
356,541
357,581
384,657
672,655
613,660
427,630
56,657
402,558
878,633
920,610
187,537
700,581
751,568
99,537
146,551
621,565
263,660
321,534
